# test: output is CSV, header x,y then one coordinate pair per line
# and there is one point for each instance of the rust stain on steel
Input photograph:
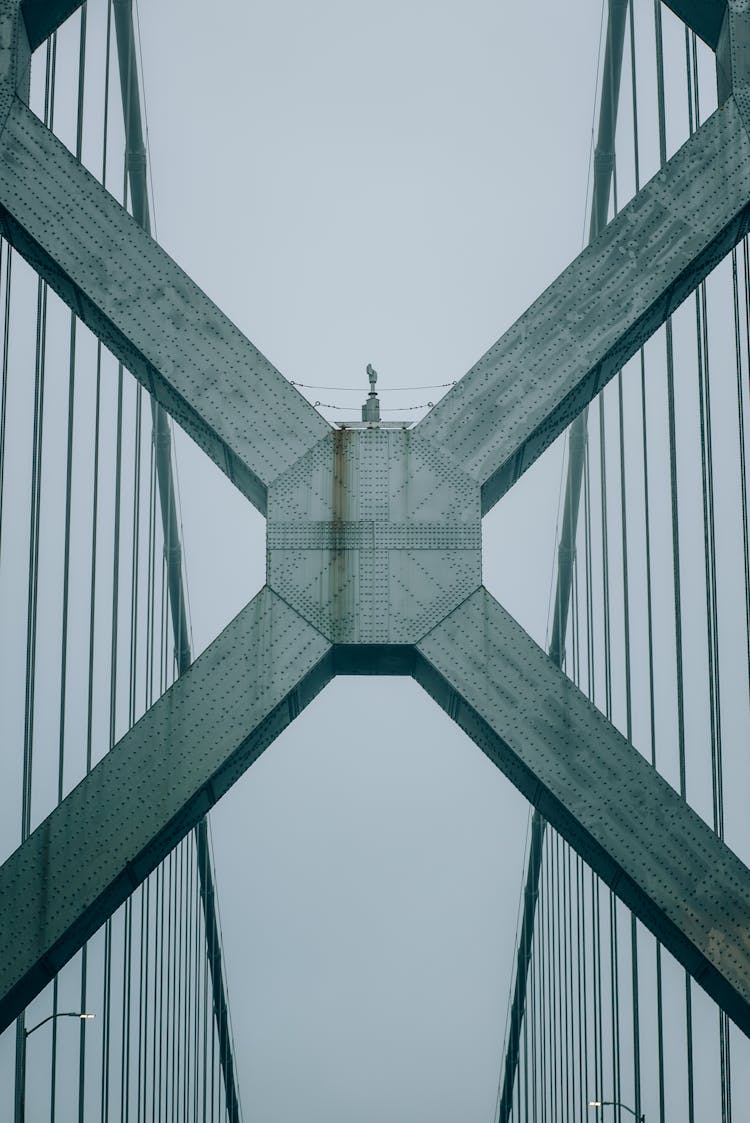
x,y
340,568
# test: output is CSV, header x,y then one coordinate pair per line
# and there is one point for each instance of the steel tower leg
x,y
151,789
660,858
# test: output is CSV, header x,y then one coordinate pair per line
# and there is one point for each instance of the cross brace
x,y
704,17
368,518
42,17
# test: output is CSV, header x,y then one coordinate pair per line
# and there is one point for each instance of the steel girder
x,y
625,821
127,814
374,554
704,17
532,383
42,17
194,361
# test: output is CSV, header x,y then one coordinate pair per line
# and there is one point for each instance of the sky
x,y
390,183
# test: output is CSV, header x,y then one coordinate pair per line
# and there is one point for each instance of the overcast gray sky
x,y
389,183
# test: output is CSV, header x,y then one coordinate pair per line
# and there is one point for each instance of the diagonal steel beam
x,y
704,17
622,817
148,312
145,795
15,58
532,383
633,829
42,17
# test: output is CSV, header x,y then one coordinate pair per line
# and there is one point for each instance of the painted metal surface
x,y
624,819
144,796
532,383
15,58
213,381
733,58
373,536
374,556
42,17
702,16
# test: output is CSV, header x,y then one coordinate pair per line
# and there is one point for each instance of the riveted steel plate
x,y
531,384
145,795
733,57
630,826
149,313
15,58
373,536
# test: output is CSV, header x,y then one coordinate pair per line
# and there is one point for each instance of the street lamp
x,y
51,1017
19,1114
616,1103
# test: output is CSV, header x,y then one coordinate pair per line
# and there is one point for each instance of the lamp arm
x,y
616,1103
51,1017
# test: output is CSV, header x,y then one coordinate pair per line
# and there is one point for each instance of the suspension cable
x,y
603,170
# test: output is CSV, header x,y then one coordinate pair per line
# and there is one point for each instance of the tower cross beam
x,y
374,557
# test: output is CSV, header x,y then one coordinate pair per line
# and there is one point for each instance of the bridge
x,y
621,983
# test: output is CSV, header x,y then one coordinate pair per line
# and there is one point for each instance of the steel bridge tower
x,y
374,567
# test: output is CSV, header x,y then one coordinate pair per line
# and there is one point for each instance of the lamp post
x,y
616,1103
19,1114
64,1014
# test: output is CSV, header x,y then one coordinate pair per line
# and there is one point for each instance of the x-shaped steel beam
x,y
374,562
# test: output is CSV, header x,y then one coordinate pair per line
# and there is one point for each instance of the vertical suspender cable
x,y
577,1090
672,425
4,377
92,602
567,978
606,609
181,982
114,635
743,456
561,978
649,631
204,1069
161,1021
66,546
677,585
127,911
712,617
741,414
143,1009
31,613
583,975
171,985
553,973
136,166
603,169
190,975
626,609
